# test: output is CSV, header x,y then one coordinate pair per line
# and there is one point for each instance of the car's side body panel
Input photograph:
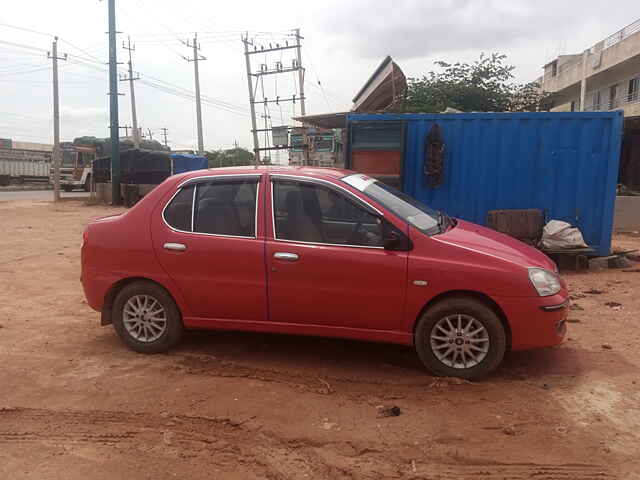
x,y
362,293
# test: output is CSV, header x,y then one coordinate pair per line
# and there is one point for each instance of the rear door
x,y
210,242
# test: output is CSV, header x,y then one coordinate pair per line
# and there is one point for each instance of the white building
x,y
606,76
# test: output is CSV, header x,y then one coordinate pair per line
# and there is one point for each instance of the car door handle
x,y
180,247
286,256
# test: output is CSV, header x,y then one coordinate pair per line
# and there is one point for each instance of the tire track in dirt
x,y
209,365
230,443
514,471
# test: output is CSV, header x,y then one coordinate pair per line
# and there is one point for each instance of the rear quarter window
x,y
177,213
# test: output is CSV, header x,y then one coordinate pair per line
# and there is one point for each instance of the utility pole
x,y
113,106
131,78
303,112
56,120
150,133
254,126
164,134
279,68
196,58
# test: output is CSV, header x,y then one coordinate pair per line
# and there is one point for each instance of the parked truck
x,y
76,166
22,162
325,148
77,159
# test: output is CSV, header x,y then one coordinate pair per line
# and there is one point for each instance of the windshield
x,y
417,214
68,158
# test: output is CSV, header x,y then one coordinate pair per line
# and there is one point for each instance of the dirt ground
x,y
75,404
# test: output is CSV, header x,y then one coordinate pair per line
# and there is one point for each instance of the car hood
x,y
485,241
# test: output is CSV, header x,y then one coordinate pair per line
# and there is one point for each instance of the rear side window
x,y
215,207
226,208
178,212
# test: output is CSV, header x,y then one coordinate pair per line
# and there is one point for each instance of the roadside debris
x,y
448,381
167,437
575,306
325,389
388,411
511,431
573,320
594,291
606,346
576,296
327,425
614,305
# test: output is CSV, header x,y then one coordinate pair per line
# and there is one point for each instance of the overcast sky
x,y
343,43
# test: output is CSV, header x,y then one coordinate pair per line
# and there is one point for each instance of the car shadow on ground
x,y
333,356
344,358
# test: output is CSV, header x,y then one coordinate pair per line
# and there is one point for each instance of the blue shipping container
x,y
564,163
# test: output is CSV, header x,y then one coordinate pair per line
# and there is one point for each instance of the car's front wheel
x,y
146,318
460,337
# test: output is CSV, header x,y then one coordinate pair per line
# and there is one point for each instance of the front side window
x,y
309,212
410,210
215,207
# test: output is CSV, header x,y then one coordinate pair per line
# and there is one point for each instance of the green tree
x,y
486,85
229,157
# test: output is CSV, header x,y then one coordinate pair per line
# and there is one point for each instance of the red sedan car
x,y
318,252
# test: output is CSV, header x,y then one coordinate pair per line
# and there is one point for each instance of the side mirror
x,y
395,240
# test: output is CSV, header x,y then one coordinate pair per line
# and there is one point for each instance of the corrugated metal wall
x,y
563,163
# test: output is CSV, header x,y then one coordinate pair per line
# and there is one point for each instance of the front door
x,y
210,243
326,262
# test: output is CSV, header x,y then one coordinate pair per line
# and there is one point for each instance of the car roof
x,y
272,169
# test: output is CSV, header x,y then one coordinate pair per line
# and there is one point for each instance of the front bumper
x,y
536,322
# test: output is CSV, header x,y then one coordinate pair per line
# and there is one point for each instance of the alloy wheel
x,y
144,318
459,341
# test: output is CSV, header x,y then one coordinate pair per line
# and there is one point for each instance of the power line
x,y
24,29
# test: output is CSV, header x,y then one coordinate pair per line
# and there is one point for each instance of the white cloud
x,y
344,42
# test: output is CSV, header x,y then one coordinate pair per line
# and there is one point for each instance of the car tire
x,y
87,184
434,338
67,188
137,323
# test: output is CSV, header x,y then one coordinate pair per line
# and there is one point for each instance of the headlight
x,y
545,282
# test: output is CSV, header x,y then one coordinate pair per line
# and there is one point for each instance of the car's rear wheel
x,y
460,337
146,318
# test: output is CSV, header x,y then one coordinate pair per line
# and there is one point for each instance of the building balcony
x,y
630,104
567,71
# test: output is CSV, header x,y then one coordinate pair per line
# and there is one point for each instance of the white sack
x,y
559,235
